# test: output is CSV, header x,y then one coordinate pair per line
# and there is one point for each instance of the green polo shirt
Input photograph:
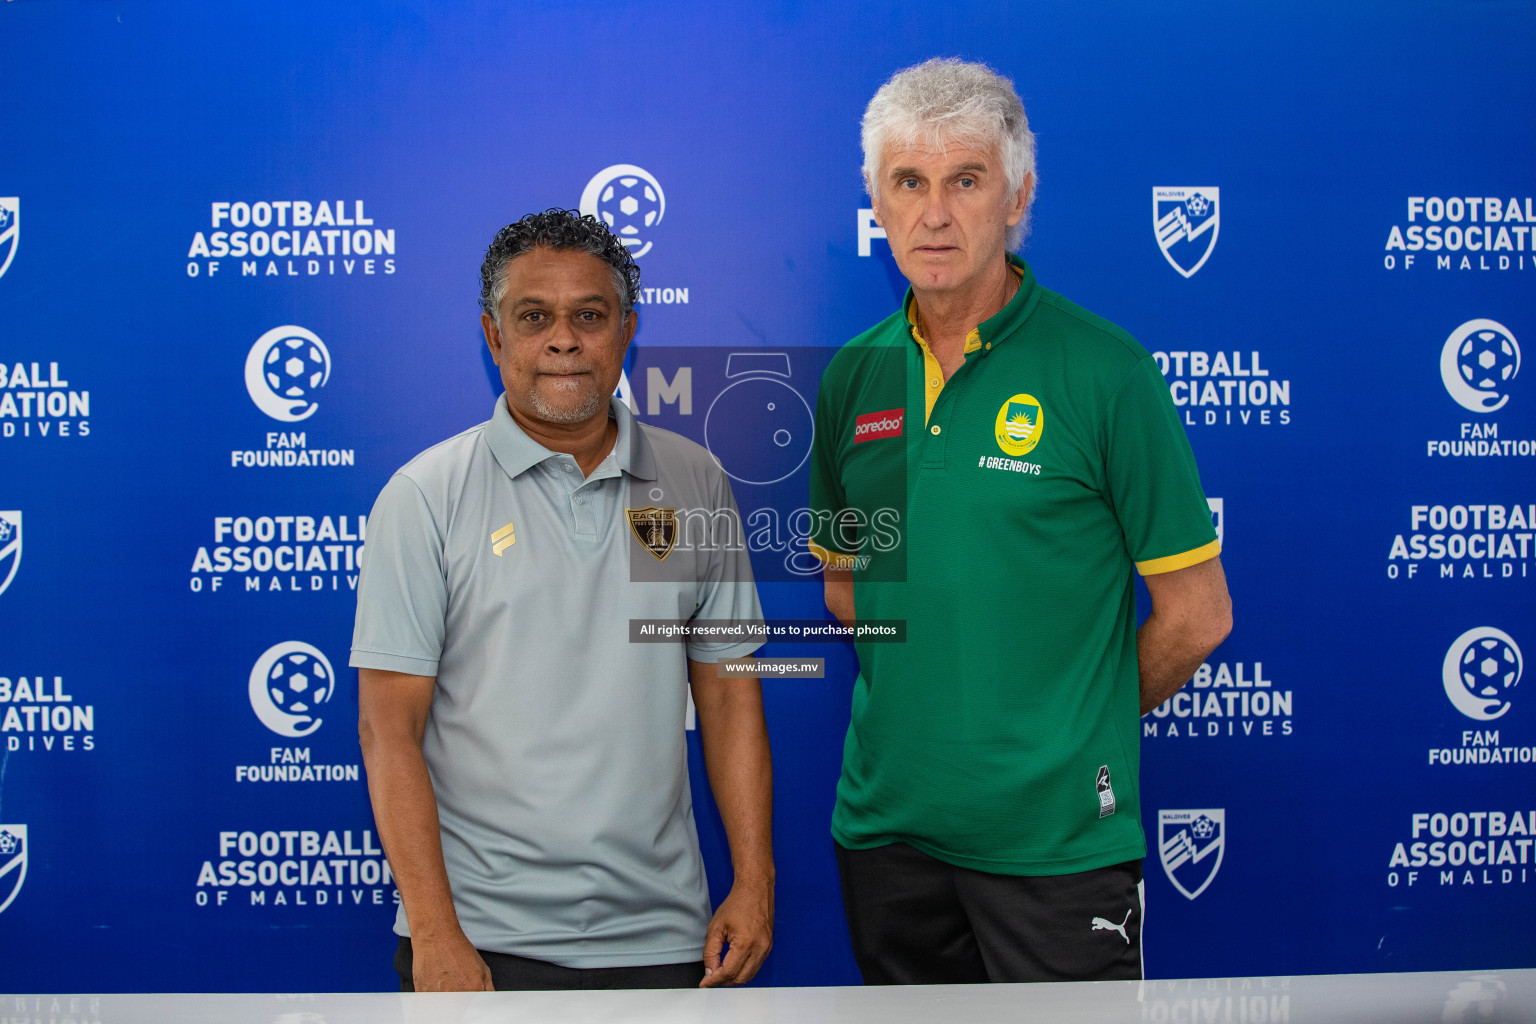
x,y
1001,514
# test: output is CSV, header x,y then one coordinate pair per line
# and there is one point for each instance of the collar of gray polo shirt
x,y
516,452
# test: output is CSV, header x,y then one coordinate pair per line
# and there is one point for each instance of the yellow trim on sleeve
x,y
1171,563
830,559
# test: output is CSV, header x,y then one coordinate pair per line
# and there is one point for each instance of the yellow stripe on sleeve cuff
x,y
1170,563
830,559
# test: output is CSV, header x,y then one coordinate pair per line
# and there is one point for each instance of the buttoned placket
x,y
935,390
936,441
584,496
938,395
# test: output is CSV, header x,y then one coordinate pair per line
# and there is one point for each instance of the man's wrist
x,y
437,928
755,876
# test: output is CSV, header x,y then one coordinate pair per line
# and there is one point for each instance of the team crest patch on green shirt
x,y
1020,423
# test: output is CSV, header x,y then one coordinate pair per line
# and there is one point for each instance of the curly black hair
x,y
557,229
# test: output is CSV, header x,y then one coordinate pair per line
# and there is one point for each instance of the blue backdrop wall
x,y
1320,217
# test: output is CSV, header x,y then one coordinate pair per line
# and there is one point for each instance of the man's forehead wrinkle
x,y
974,166
898,149
535,300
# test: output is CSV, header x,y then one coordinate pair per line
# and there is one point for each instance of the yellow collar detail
x,y
933,374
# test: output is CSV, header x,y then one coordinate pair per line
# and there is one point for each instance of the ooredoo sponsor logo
x,y
874,425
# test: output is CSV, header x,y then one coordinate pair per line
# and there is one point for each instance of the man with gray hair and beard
x,y
526,760
988,820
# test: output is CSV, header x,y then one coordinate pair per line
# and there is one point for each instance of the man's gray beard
x,y
549,414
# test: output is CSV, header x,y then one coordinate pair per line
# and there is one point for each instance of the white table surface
x,y
1473,997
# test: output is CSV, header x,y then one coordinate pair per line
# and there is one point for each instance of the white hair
x,y
947,100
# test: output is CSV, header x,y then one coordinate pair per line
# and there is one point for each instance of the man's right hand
x,y
448,965
392,717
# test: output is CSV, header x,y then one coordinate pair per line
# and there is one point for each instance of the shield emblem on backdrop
x,y
1190,845
13,862
655,529
10,547
10,230
1186,220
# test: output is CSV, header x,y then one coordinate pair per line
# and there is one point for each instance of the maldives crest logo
x,y
10,547
1190,845
13,862
1186,220
10,230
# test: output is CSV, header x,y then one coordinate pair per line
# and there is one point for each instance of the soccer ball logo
x,y
6,529
1477,363
1489,666
299,682
627,205
1197,205
629,200
288,685
284,370
8,842
1203,827
1487,359
294,366
1480,670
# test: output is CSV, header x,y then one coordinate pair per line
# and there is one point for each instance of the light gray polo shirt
x,y
555,746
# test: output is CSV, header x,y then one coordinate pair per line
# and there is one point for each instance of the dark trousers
x,y
915,920
519,974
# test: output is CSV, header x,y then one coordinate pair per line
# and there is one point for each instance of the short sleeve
x,y
827,497
1154,486
402,593
726,588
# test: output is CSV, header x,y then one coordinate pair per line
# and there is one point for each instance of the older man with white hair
x,y
988,821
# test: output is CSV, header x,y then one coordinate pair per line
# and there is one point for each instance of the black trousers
x,y
520,974
915,920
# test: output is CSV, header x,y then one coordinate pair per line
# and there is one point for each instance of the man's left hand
x,y
745,920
